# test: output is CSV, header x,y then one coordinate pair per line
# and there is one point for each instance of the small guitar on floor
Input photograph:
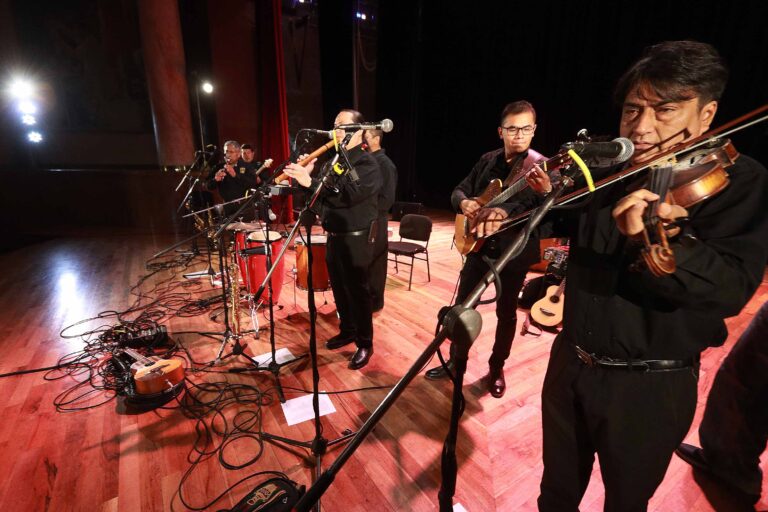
x,y
154,376
548,311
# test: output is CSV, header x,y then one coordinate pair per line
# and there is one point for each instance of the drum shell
x,y
321,281
257,264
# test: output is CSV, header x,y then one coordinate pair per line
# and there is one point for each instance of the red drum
x,y
320,280
257,264
241,230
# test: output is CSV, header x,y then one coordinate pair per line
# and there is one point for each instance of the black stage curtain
x,y
447,69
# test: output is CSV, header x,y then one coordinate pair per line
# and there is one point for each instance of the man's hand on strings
x,y
628,212
487,221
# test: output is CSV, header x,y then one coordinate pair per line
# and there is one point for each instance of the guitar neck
x,y
518,186
267,163
560,288
138,357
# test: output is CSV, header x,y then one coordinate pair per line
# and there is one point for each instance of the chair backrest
x,y
400,208
416,227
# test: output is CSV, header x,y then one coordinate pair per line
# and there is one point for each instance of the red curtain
x,y
274,108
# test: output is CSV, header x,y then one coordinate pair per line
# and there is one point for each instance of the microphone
x,y
384,125
324,133
605,153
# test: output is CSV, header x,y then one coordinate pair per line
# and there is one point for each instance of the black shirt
x,y
356,204
493,165
230,187
389,180
615,312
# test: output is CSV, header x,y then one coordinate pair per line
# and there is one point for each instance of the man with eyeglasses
x,y
508,164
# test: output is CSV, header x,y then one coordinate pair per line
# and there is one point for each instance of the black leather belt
x,y
361,232
650,365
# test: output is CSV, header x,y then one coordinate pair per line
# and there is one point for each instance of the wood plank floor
x,y
111,457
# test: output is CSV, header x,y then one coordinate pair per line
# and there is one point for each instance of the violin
x,y
685,181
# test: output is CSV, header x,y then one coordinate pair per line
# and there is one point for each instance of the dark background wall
x,y
446,71
441,70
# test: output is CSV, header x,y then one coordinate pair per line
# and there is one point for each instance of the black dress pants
x,y
378,273
512,278
734,430
349,258
633,420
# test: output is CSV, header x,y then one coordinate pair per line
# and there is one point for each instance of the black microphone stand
x,y
318,445
262,209
462,324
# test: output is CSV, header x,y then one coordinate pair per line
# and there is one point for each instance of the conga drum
x,y
241,231
321,281
257,264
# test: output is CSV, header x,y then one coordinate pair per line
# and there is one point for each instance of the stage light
x,y
21,89
27,107
207,87
35,137
28,119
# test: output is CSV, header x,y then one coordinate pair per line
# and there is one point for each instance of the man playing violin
x,y
622,375
517,128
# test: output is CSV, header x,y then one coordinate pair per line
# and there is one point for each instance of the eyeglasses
x,y
514,130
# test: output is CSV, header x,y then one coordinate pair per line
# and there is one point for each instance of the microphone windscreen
x,y
387,125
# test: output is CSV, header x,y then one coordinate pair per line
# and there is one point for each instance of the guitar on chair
x,y
548,311
465,240
154,376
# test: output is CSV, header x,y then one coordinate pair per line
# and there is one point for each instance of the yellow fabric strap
x,y
584,169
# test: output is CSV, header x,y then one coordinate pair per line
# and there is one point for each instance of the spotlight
x,y
27,107
28,119
207,87
21,89
35,137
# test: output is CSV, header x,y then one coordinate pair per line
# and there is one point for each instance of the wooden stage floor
x,y
107,456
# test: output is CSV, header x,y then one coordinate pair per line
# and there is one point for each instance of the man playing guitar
x,y
508,164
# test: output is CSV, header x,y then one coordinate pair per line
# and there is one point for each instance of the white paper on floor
x,y
282,355
458,508
299,409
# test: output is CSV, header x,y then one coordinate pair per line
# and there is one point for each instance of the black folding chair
x,y
412,227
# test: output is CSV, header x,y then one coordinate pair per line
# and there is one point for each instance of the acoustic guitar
x,y
154,375
548,311
267,164
465,240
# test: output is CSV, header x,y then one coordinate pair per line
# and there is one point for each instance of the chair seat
x,y
405,248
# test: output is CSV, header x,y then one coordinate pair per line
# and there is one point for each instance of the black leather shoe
x,y
496,383
340,340
360,358
693,456
696,458
438,372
